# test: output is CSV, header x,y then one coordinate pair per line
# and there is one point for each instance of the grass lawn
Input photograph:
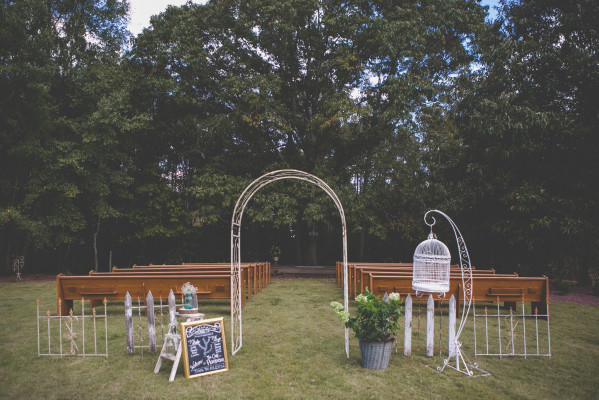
x,y
293,347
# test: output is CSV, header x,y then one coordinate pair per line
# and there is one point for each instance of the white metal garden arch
x,y
248,193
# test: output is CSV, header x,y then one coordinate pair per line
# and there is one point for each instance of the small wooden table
x,y
173,339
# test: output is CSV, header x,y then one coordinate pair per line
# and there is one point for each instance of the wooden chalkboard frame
x,y
184,339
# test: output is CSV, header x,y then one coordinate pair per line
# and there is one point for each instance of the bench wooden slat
x,y
484,288
69,288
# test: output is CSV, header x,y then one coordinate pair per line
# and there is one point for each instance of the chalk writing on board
x,y
205,348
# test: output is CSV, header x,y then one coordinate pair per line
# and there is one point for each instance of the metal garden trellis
x,y
246,196
466,271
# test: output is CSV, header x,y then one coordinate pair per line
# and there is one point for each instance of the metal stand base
x,y
462,366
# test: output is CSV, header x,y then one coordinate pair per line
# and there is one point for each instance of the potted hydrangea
x,y
375,326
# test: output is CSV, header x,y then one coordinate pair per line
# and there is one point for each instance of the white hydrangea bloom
x,y
361,297
337,306
394,296
343,316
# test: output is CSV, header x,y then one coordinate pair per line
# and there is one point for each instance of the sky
x,y
142,10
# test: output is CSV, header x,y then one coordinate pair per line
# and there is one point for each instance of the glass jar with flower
x,y
375,326
188,290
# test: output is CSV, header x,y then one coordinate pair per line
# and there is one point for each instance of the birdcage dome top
x,y
432,249
431,266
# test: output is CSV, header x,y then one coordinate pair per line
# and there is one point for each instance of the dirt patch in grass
x,y
578,295
28,278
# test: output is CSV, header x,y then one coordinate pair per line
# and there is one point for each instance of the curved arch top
x,y
246,196
273,176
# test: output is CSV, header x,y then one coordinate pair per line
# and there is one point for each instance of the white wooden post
x,y
430,326
129,324
151,323
407,339
451,326
83,324
172,308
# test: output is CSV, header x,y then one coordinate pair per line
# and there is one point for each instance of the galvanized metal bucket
x,y
376,355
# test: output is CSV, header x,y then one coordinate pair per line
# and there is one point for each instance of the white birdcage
x,y
431,266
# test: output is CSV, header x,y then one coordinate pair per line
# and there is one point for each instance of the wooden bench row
x,y
365,274
212,280
487,285
496,289
259,274
357,273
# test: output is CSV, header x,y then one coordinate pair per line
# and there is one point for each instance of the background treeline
x,y
139,147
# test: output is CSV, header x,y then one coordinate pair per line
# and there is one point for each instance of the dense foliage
x,y
134,150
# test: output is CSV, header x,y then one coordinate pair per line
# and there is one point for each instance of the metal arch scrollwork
x,y
246,196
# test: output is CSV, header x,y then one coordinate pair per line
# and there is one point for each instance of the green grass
x,y
293,347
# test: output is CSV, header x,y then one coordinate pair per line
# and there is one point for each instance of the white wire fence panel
x,y
83,334
519,332
491,330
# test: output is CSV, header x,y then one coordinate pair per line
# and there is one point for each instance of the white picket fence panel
x,y
144,335
430,321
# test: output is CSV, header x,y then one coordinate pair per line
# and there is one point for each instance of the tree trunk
x,y
311,257
298,247
24,254
96,245
64,260
8,259
361,244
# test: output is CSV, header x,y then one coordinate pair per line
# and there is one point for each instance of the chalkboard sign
x,y
204,347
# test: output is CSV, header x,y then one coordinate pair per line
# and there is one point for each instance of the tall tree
x,y
528,130
54,54
325,86
414,51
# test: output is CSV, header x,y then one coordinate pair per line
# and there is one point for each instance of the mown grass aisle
x,y
293,347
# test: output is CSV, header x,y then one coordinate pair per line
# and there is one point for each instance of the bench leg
x,y
95,303
540,307
65,307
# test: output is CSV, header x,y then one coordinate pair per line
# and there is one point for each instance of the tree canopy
x,y
137,148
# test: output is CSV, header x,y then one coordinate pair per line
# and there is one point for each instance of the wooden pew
x,y
175,271
487,288
114,287
357,270
261,277
249,272
366,276
353,267
360,280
